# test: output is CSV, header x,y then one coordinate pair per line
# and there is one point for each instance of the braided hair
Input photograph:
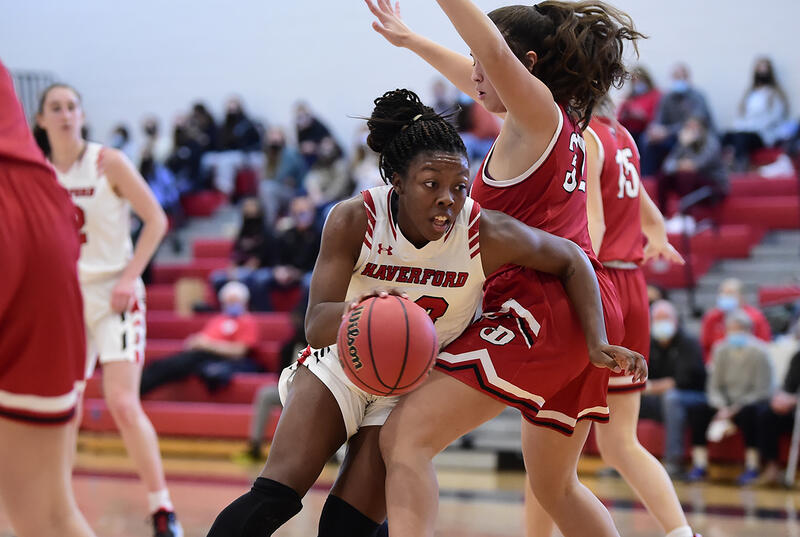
x,y
401,127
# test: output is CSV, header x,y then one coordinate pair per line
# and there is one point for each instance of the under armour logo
x,y
381,248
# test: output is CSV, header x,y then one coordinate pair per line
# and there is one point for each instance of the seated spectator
x,y
729,298
676,380
121,139
239,146
297,247
694,162
363,168
201,128
328,180
761,118
184,161
739,383
217,352
444,101
253,250
156,145
775,418
638,109
478,128
284,172
681,102
310,133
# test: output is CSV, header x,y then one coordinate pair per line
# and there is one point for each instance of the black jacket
x,y
681,359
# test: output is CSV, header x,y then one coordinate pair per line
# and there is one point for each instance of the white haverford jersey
x,y
104,217
444,277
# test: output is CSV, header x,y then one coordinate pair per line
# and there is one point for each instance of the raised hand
x,y
389,24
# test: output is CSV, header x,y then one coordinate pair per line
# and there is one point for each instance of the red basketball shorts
x,y
42,347
632,292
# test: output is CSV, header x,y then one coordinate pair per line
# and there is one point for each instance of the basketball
x,y
387,345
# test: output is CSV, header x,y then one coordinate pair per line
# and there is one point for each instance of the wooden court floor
x,y
476,503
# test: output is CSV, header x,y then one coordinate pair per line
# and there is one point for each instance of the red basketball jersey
x,y
620,183
16,142
551,194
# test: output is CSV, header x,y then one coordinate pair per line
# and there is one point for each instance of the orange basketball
x,y
387,345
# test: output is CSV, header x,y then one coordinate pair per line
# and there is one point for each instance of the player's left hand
x,y
122,295
664,250
619,359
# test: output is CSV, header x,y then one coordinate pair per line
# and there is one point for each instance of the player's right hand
x,y
389,24
379,292
619,359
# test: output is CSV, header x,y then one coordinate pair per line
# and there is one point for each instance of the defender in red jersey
x,y
621,215
41,334
526,350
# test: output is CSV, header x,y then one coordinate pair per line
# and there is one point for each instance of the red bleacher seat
x,y
773,295
246,183
167,325
198,268
202,204
772,212
675,276
212,248
765,155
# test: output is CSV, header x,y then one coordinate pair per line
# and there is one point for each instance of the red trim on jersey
x,y
303,355
389,210
369,206
473,254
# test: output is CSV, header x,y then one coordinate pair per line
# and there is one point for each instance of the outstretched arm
x,y
505,240
456,67
527,100
594,190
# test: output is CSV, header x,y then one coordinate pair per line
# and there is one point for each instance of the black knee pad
x,y
258,513
340,519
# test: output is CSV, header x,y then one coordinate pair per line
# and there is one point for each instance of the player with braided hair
x,y
392,239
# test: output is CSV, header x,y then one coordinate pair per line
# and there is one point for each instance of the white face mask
x,y
663,330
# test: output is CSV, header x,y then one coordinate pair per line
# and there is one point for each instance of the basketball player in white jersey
x,y
104,187
419,236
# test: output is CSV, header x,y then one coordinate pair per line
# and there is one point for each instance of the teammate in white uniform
x,y
420,237
105,186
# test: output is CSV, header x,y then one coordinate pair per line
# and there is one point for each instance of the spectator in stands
x,y
253,251
221,349
676,380
328,180
478,128
740,382
695,161
775,418
762,113
638,109
284,172
363,168
121,139
443,97
681,102
729,298
310,132
201,128
297,247
156,145
239,148
184,161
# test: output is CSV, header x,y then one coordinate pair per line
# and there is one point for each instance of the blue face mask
x,y
727,303
680,86
738,339
234,310
663,330
640,88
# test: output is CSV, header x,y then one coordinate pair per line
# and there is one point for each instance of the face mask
x,y
117,141
663,330
640,88
762,79
680,86
727,303
150,130
688,137
234,310
304,219
738,339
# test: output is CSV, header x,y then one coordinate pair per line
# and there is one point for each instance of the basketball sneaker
x,y
165,524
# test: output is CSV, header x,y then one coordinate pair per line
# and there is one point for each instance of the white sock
x,y
751,459
700,456
683,531
159,500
